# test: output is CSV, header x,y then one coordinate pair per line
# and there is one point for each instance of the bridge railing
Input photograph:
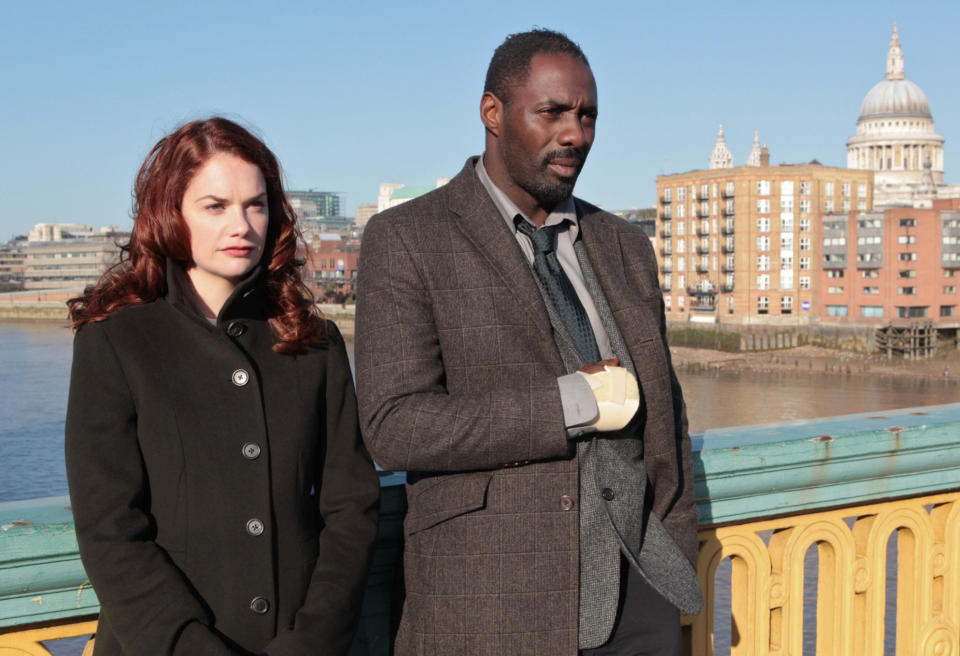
x,y
807,527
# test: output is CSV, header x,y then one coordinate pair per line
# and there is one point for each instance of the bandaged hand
x,y
617,395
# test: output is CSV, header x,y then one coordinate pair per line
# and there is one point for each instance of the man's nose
x,y
573,133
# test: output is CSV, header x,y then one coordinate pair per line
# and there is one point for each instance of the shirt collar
x,y
566,211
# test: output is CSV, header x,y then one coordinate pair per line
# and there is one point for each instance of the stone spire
x,y
753,159
895,58
721,158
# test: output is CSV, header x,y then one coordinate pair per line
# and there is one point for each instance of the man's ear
x,y
491,113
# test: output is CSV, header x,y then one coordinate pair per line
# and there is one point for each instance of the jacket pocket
x,y
432,501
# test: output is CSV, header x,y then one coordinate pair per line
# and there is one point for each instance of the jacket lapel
x,y
483,225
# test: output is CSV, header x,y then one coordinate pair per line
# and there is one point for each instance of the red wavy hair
x,y
160,232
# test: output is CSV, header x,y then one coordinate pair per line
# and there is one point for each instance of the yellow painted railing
x,y
29,642
767,580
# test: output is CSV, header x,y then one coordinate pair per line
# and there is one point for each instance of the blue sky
x,y
350,94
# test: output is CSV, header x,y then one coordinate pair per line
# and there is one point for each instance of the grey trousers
x,y
646,625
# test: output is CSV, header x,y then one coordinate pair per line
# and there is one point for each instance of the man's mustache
x,y
577,155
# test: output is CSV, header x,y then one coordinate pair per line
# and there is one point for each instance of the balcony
x,y
702,268
665,286
727,268
726,230
666,217
766,495
665,199
666,268
726,289
726,250
666,233
725,193
666,251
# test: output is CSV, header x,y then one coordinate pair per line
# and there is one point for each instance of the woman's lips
x,y
237,251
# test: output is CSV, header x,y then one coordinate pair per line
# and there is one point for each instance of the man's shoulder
x,y
434,202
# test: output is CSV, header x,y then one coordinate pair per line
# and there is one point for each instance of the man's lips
x,y
565,168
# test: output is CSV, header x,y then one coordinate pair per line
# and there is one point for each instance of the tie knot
x,y
544,239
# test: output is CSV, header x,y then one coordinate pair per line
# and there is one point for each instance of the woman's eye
x,y
214,207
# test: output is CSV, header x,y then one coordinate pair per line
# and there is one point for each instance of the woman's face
x,y
225,208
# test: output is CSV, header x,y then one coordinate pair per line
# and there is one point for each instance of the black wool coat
x,y
224,502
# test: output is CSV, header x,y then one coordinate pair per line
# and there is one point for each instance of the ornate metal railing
x,y
837,489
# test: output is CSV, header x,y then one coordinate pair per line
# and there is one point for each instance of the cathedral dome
x,y
895,98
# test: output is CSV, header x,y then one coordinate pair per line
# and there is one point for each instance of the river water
x,y
35,365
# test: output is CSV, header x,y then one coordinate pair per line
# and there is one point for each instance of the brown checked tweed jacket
x,y
456,372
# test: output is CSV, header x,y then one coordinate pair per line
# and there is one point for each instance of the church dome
x,y
895,98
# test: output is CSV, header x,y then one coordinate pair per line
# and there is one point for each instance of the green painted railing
x,y
740,473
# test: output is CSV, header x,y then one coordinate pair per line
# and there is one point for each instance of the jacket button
x,y
607,494
259,605
566,503
251,450
254,527
235,329
240,377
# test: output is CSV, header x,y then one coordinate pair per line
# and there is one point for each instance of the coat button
x,y
240,377
566,503
259,605
235,329
254,526
251,450
607,494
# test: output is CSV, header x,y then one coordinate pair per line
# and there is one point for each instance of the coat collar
x,y
481,222
246,301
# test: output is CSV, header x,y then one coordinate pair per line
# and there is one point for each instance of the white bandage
x,y
617,395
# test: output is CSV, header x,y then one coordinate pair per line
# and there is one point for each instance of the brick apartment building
x,y
897,265
331,267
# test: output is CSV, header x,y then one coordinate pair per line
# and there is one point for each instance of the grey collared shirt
x,y
579,405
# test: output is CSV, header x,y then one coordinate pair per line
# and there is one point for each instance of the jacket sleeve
x,y
411,420
151,605
349,493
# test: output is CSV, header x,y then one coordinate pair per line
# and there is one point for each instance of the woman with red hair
x,y
223,500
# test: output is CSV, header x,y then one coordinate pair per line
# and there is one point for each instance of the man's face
x,y
548,127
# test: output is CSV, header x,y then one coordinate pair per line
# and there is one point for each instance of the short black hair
x,y
511,60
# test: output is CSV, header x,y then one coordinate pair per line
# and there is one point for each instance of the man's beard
x,y
548,190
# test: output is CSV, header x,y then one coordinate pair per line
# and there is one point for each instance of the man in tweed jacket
x,y
528,530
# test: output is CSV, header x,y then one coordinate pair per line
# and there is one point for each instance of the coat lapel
x,y
483,225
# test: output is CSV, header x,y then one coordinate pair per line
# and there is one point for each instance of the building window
x,y
912,312
845,189
836,310
786,240
862,190
763,243
786,204
763,281
828,206
786,304
763,263
681,193
834,273
763,224
681,228
835,241
681,261
871,311
949,289
763,304
870,273
667,195
863,241
907,239
828,189
763,187
870,223
907,257
786,221
804,282
786,188
845,205
681,301
730,304
804,206
871,290
804,243
786,279
907,273
763,205
949,273
862,205
907,291
667,300
804,263
949,240
729,189
946,310
786,262
681,281
834,289
704,191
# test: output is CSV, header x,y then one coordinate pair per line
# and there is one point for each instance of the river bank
x,y
814,359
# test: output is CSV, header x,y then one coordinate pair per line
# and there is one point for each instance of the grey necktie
x,y
559,288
